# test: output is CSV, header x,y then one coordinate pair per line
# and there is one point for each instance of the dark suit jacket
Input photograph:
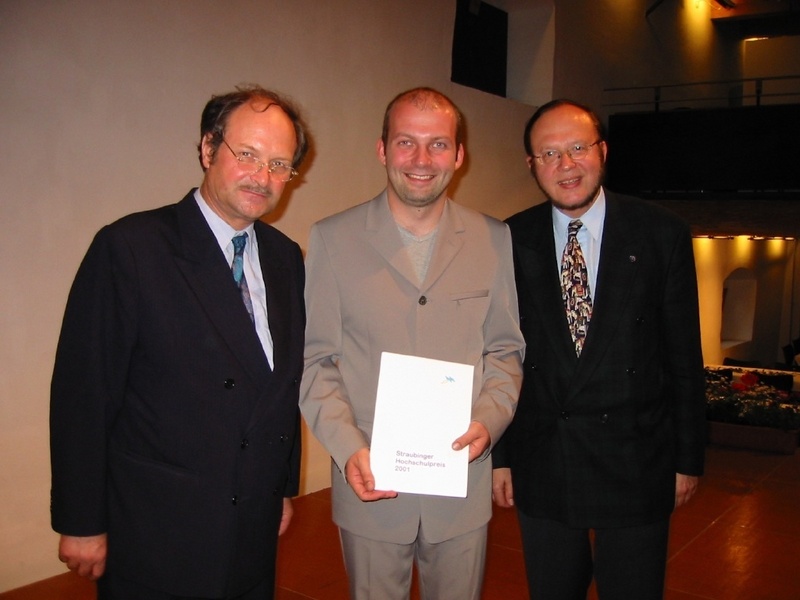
x,y
597,440
168,429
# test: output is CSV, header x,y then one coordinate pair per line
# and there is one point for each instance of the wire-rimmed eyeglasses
x,y
277,169
575,152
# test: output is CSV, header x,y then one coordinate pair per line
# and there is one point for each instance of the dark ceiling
x,y
738,217
757,18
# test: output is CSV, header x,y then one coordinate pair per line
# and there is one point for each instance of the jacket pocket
x,y
469,295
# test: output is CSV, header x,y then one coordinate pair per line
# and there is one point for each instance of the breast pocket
x,y
468,311
462,296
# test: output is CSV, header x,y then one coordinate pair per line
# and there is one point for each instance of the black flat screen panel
x,y
746,151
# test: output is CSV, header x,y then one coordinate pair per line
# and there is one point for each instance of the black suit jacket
x,y
169,431
597,440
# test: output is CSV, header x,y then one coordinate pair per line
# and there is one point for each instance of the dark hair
x,y
218,111
424,98
545,108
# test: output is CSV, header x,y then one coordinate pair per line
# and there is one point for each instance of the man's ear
x,y
380,148
459,156
206,151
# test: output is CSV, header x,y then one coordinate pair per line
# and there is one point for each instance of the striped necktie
x,y
237,268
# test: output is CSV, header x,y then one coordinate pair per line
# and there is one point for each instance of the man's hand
x,y
358,473
286,517
502,490
685,487
84,555
477,438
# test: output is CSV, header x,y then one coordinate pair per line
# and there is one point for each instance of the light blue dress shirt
x,y
252,270
590,236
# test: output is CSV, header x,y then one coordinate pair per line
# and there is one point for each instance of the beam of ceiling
x,y
653,6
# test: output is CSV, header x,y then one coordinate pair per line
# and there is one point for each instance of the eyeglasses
x,y
278,170
575,152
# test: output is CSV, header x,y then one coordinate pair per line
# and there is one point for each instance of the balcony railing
x,y
753,91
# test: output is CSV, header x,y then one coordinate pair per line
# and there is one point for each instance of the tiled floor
x,y
738,539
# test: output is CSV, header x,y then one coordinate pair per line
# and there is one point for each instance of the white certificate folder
x,y
422,406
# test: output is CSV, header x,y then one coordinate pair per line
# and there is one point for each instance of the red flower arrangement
x,y
749,401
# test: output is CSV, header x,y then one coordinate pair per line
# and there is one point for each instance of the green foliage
x,y
749,402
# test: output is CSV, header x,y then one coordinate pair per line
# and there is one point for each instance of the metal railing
x,y
732,92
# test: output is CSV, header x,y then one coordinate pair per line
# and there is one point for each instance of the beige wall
x,y
771,264
100,105
99,108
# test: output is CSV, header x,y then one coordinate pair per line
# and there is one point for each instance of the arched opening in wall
x,y
738,307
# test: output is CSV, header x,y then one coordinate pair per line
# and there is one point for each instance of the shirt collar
x,y
221,230
592,219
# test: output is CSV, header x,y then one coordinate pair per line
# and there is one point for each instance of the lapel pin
x,y
632,258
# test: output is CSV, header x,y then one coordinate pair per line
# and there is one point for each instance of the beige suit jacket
x,y
363,297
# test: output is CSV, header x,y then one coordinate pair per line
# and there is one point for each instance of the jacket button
x,y
234,500
565,415
245,443
229,384
630,371
604,419
423,300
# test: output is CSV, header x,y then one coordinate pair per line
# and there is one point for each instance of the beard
x,y
585,202
418,198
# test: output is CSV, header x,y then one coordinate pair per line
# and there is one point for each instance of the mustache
x,y
257,189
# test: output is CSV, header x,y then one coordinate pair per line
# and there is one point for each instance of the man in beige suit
x,y
413,273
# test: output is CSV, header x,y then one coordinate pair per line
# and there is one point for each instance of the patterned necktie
x,y
237,268
575,287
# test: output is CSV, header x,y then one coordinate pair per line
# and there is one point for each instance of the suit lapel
x,y
384,237
615,274
448,244
536,259
208,274
277,281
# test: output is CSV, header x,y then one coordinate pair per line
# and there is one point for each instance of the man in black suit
x,y
174,423
609,432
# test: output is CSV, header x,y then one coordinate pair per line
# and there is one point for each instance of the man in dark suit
x,y
609,433
174,420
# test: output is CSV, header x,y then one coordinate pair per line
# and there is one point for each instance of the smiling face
x,y
572,185
233,191
420,153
